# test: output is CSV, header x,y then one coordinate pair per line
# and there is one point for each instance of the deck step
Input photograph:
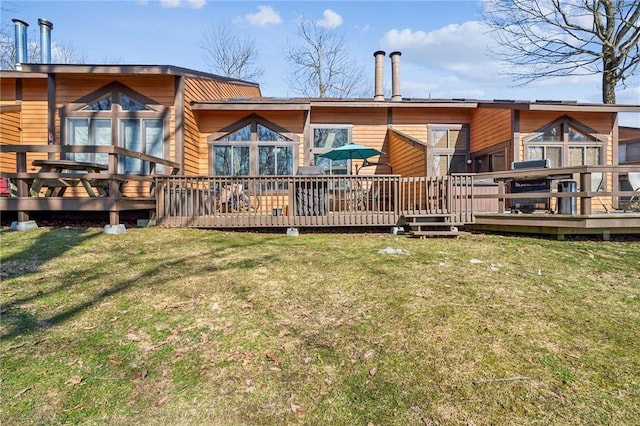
x,y
432,225
434,233
428,219
428,216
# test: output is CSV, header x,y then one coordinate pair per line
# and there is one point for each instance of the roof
x,y
45,69
275,103
36,70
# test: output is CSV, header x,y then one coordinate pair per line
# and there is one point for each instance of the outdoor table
x,y
57,187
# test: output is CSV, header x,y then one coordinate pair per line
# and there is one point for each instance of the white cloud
x,y
193,4
451,47
265,16
196,4
169,4
456,60
330,19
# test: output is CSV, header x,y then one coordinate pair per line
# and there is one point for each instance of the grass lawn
x,y
178,326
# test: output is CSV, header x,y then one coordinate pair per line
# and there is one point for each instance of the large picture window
x,y
326,138
566,143
253,147
450,148
116,115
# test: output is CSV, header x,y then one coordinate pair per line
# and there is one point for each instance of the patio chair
x,y
597,185
7,188
634,181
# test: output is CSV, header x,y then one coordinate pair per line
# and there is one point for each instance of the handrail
x,y
111,184
606,185
86,149
559,171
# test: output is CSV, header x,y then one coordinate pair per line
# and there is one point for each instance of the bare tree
x,y
552,38
321,64
231,54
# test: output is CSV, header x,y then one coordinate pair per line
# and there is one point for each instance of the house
x,y
202,125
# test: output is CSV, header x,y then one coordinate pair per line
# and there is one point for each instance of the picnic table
x,y
57,186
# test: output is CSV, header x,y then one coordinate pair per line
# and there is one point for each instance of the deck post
x,y
501,199
114,217
21,184
585,185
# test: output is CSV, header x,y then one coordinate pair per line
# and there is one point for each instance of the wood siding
x,y
34,112
34,116
490,127
196,153
70,88
211,122
10,134
369,129
407,156
601,123
7,90
405,116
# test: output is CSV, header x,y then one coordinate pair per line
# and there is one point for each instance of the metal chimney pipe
x,y
45,40
395,76
21,42
379,76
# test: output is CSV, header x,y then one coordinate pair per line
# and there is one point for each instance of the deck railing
x,y
308,201
314,201
579,190
265,201
440,195
17,166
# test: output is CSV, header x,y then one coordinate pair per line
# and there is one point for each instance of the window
x,y
629,152
491,160
85,131
450,148
141,135
326,138
117,115
253,147
566,143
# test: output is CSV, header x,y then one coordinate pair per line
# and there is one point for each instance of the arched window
x,y
253,146
117,115
565,142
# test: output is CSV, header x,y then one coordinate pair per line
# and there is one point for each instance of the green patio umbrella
x,y
351,151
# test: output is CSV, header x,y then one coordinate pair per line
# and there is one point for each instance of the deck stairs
x,y
432,225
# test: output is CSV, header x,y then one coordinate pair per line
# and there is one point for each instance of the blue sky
x,y
443,43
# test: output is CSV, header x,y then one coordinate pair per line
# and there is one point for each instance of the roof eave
x,y
20,74
395,104
248,106
127,69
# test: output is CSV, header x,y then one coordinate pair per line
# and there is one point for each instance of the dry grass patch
x,y
163,326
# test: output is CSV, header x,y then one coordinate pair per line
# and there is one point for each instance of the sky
x,y
443,43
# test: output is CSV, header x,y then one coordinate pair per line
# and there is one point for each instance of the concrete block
x,y
397,230
292,232
114,229
24,226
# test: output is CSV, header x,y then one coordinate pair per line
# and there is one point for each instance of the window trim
x,y
253,120
316,151
449,153
73,110
601,141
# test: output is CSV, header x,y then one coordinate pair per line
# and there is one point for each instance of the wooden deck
x,y
480,202
35,185
604,224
